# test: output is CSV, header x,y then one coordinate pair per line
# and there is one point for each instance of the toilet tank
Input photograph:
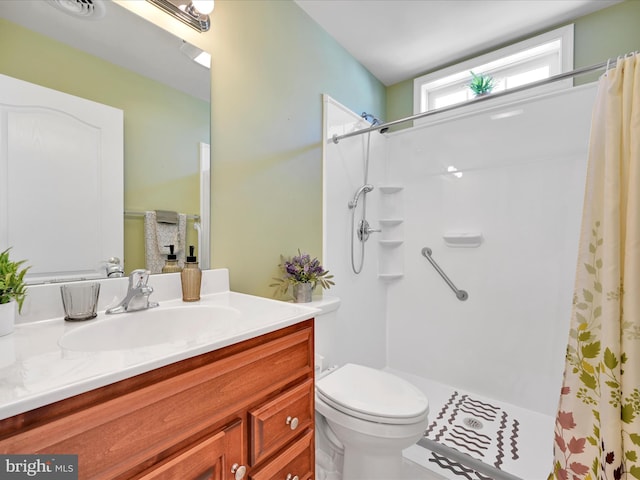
x,y
326,330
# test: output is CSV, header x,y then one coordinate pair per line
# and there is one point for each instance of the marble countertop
x,y
35,370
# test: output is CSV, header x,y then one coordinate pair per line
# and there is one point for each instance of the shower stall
x,y
494,194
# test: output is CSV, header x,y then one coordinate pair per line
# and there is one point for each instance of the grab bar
x,y
460,294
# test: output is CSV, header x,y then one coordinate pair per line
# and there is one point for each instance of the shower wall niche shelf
x,y
462,239
391,188
390,250
390,243
390,222
390,276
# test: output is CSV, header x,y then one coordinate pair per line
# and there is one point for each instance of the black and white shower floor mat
x,y
475,438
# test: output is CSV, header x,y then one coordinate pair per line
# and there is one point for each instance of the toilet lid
x,y
372,394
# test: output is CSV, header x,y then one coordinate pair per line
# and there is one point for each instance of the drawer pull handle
x,y
293,423
291,477
239,471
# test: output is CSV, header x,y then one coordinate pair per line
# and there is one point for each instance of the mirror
x,y
105,53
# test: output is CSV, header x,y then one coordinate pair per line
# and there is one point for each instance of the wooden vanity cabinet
x,y
243,411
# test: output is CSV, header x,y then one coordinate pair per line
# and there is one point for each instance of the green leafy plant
x,y
481,84
301,269
12,284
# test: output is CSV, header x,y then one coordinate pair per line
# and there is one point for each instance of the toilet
x,y
366,416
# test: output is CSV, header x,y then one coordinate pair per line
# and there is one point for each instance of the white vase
x,y
302,292
7,317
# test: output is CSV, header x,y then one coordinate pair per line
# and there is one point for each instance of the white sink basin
x,y
156,326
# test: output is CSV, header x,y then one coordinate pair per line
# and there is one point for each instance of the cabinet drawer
x,y
298,460
278,421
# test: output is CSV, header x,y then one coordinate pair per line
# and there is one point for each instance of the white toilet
x,y
367,415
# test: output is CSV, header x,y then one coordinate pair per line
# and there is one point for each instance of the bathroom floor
x,y
413,471
410,471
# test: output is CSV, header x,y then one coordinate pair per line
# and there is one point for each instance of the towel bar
x,y
132,213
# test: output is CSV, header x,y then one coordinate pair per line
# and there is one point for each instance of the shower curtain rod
x,y
555,78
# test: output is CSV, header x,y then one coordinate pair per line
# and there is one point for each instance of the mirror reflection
x,y
121,60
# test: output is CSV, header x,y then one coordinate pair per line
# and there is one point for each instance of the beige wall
x,y
603,34
162,126
271,64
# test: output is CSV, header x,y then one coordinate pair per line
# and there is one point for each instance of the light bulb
x,y
205,7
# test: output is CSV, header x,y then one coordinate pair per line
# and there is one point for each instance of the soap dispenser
x,y
191,277
171,265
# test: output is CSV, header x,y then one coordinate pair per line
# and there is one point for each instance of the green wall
x,y
598,36
271,64
162,126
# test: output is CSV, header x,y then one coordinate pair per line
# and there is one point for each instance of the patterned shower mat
x,y
480,430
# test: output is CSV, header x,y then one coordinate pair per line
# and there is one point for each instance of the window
x,y
525,62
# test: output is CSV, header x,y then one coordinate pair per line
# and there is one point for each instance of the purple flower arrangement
x,y
301,268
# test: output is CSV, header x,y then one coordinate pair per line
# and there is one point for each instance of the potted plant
x,y
302,274
481,84
12,290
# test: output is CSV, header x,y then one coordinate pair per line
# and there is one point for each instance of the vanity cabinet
x,y
243,411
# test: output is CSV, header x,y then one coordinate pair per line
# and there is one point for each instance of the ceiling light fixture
x,y
195,13
204,7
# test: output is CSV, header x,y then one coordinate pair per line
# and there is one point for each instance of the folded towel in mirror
x,y
158,236
167,216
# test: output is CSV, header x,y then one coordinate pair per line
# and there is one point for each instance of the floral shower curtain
x,y
597,428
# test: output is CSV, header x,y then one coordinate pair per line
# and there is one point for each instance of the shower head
x,y
363,189
374,121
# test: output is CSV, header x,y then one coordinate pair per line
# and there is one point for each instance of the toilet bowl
x,y
370,415
364,417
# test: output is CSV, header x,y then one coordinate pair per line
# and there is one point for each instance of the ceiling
x,y
401,39
394,39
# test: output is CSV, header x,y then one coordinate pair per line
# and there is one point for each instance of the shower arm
x,y
460,294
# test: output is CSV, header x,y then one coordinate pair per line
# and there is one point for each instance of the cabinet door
x,y
217,457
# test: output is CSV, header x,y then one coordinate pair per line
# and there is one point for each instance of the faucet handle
x,y
138,278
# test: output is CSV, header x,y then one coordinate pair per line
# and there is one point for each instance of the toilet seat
x,y
372,395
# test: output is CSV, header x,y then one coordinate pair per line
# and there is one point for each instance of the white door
x,y
61,181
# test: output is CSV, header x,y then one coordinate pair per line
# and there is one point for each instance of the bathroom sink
x,y
156,326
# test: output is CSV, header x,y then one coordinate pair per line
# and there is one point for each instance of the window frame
x,y
438,79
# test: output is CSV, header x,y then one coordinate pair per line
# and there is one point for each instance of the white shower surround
x,y
522,188
360,334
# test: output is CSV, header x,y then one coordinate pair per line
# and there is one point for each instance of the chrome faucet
x,y
137,297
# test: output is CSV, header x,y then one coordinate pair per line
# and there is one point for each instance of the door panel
x,y
61,181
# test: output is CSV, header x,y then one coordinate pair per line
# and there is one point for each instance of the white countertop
x,y
35,370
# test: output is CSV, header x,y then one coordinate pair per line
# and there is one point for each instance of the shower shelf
x,y
390,222
390,276
391,188
390,243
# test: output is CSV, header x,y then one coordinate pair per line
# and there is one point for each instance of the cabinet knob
x,y
293,423
239,471
291,477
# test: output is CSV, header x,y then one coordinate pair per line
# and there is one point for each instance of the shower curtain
x,y
597,427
